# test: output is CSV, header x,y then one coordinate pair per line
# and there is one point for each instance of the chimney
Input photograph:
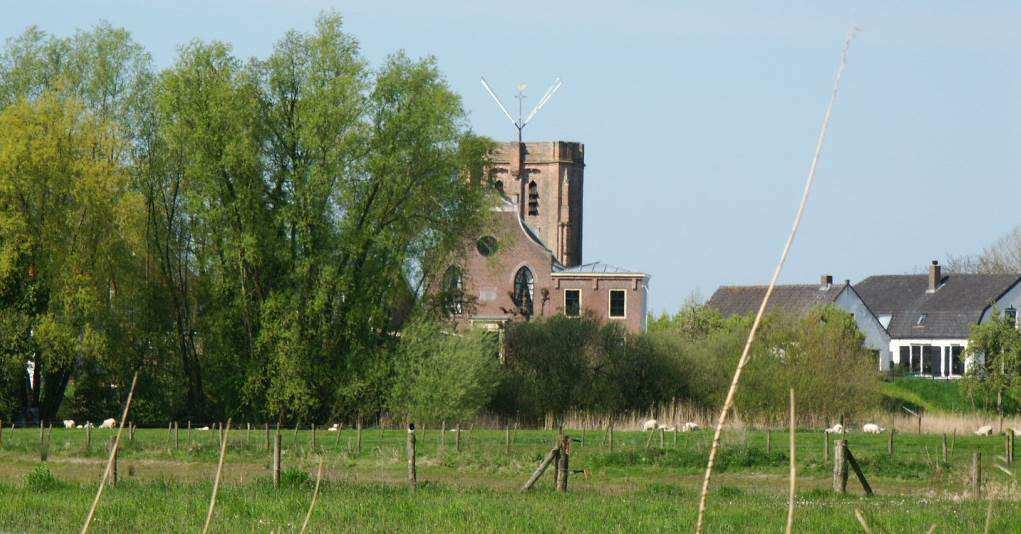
x,y
935,275
825,281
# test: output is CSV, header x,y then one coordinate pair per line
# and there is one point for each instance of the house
x,y
528,262
798,299
929,316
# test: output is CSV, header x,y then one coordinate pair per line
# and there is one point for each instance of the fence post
x,y
1,433
661,438
88,437
506,438
276,460
340,429
265,445
825,446
976,475
1008,449
611,436
313,437
177,435
443,435
889,443
550,456
412,475
248,435
457,438
112,444
769,441
358,450
840,467
189,434
946,451
564,464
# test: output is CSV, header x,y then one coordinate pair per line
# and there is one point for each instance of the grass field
x,y
634,488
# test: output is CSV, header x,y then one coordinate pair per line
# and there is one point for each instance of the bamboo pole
x,y
110,460
216,481
315,495
743,360
794,468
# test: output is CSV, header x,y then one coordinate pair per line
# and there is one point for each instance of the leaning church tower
x,y
549,198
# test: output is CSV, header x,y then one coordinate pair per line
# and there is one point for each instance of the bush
x,y
41,479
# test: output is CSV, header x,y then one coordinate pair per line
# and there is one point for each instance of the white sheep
x,y
108,423
650,424
204,428
835,429
333,428
68,423
666,428
689,427
986,430
872,428
79,426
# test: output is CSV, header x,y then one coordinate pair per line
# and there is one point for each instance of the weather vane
x,y
522,121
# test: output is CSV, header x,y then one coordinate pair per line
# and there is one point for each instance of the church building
x,y
528,263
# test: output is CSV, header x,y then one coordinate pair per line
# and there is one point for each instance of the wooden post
x,y
946,450
131,432
675,438
248,435
825,446
839,467
564,464
857,470
889,442
506,438
42,441
219,428
190,442
661,438
769,441
611,437
276,460
412,475
919,422
443,435
1008,446
340,429
976,475
313,437
88,437
112,445
1,433
358,449
177,435
457,438
550,456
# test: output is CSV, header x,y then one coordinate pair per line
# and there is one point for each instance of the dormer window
x,y
921,319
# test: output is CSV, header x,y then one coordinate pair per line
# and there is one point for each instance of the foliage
x,y
442,376
41,479
995,347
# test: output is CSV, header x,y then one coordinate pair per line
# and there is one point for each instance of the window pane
x,y
905,358
930,360
617,303
957,357
572,303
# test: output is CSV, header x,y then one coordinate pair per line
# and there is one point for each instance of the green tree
x,y
995,372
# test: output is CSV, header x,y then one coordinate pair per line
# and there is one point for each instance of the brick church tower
x,y
550,198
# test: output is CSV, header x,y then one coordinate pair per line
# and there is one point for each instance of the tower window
x,y
499,186
572,302
533,199
618,304
524,287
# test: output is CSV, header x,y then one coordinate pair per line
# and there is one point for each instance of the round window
x,y
486,245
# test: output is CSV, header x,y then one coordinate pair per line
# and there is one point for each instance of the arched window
x,y
453,291
533,199
524,286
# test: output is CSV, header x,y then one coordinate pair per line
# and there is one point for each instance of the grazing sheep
x,y
108,423
667,428
204,428
872,428
68,423
333,428
651,424
689,427
986,430
835,429
79,426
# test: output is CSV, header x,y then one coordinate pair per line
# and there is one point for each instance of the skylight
x,y
921,319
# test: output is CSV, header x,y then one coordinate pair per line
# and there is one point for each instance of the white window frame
x,y
609,304
580,305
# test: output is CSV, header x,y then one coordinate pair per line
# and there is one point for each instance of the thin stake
x,y
794,469
216,481
109,461
315,495
729,400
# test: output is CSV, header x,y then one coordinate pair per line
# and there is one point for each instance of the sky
x,y
699,119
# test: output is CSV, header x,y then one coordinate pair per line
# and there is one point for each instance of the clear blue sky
x,y
699,119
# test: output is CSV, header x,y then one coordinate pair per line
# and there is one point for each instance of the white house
x,y
798,299
929,317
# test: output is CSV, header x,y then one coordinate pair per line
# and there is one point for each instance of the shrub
x,y
41,479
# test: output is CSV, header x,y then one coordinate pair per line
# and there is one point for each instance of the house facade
x,y
929,316
798,299
528,262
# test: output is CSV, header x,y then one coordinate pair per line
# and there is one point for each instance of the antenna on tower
x,y
523,121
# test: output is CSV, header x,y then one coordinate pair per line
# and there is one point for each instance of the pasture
x,y
643,485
